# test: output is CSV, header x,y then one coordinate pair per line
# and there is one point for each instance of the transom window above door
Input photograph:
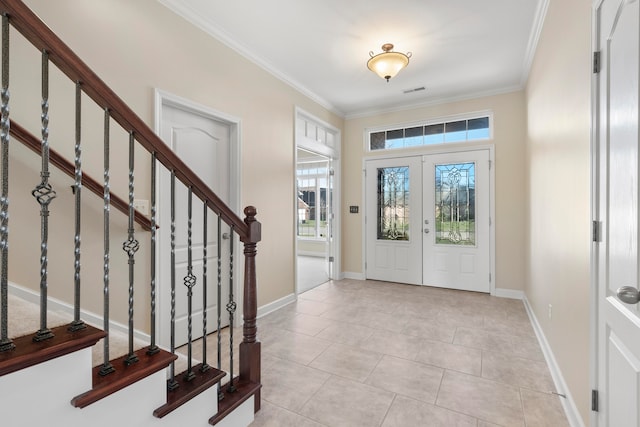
x,y
458,129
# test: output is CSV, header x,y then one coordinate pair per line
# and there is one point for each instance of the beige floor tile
x,y
516,371
478,338
527,347
451,356
346,333
289,384
295,347
274,416
342,402
481,398
314,308
457,318
306,324
429,330
405,412
542,410
407,378
394,344
347,361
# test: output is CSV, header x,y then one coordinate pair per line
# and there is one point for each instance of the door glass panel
x,y
455,204
393,203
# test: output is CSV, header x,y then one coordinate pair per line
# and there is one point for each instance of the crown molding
x,y
183,10
534,38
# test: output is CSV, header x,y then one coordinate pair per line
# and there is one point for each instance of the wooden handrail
x,y
33,29
56,159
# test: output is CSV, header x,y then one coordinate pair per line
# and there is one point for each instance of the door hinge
x,y
489,277
332,172
594,400
490,222
595,231
331,259
596,62
490,163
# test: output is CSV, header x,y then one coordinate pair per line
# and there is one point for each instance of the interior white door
x,y
618,334
203,144
456,242
393,218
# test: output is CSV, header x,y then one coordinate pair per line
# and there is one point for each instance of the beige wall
x,y
509,135
558,153
136,47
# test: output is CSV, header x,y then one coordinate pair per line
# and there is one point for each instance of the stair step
x,y
187,390
232,400
123,376
29,353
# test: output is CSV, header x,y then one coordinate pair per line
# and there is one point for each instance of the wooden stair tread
x,y
187,390
244,390
29,353
123,376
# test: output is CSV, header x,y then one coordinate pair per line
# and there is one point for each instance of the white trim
x,y
534,37
276,305
182,9
568,403
508,293
311,254
356,114
90,318
334,153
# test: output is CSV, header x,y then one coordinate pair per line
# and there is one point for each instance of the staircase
x,y
47,373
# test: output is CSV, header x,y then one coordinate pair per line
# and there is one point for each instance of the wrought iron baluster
x,y
231,308
189,282
131,246
44,194
106,367
205,366
172,384
219,302
77,324
153,348
5,343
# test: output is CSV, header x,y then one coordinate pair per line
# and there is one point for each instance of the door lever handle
x,y
225,236
628,295
426,231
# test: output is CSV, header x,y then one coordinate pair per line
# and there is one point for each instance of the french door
x,y
427,220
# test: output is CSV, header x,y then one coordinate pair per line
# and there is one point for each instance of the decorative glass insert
x,y
455,204
433,133
393,203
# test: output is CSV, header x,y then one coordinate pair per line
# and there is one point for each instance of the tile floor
x,y
367,353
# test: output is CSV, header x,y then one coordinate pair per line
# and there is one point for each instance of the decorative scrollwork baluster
x,y
44,194
172,384
231,308
219,303
106,367
131,246
205,366
5,343
153,348
189,282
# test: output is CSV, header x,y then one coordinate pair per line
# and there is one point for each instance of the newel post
x,y
250,346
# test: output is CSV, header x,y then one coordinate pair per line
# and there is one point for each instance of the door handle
x,y
225,236
628,295
426,231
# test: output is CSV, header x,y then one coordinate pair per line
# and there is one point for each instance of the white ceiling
x,y
461,48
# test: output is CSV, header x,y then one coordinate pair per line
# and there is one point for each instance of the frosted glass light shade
x,y
387,64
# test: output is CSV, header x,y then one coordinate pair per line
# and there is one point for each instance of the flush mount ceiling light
x,y
387,64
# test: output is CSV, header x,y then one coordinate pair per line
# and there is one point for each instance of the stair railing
x,y
113,374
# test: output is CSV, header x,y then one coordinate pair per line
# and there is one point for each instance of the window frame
x,y
437,121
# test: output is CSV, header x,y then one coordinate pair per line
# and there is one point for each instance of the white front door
x,y
203,144
616,121
393,220
456,243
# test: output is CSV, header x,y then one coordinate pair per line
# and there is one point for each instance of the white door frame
x,y
492,206
166,99
334,154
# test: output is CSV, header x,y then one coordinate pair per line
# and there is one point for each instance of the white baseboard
x,y
568,403
508,293
61,306
353,276
275,305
